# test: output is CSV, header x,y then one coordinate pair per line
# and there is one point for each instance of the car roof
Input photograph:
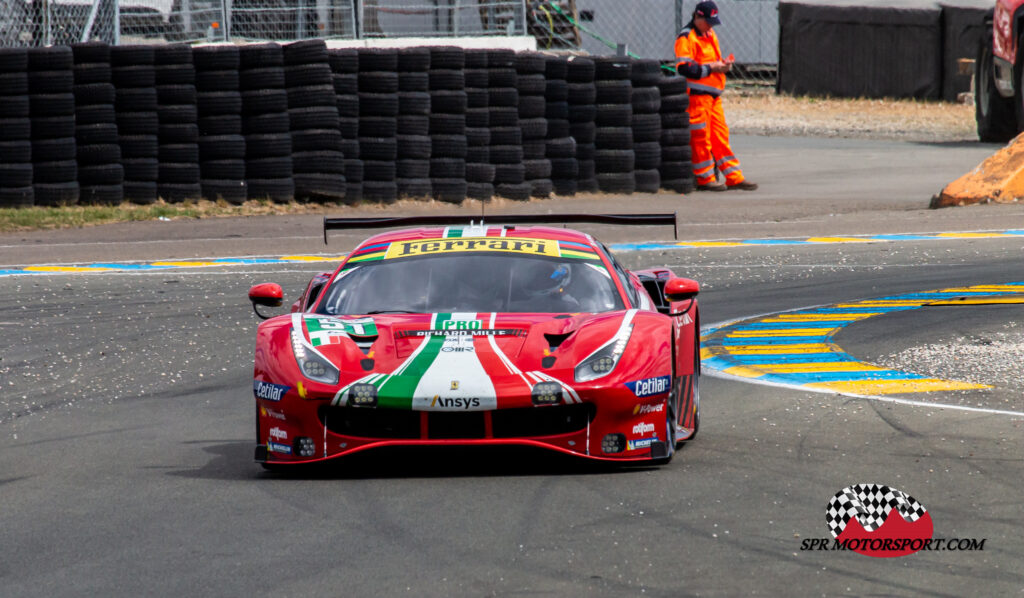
x,y
434,232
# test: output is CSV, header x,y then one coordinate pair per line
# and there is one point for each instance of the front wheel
x,y
993,113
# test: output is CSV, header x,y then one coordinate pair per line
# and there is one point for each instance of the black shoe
x,y
712,187
744,186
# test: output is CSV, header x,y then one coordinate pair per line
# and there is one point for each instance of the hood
x,y
456,361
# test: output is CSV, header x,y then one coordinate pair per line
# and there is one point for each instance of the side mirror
x,y
267,294
681,289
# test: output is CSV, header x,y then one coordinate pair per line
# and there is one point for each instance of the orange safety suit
x,y
709,135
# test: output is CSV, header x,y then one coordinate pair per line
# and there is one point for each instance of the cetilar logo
x,y
879,521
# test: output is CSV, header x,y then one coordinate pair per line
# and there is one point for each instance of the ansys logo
x,y
878,521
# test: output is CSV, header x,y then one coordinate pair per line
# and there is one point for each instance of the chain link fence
x,y
643,28
648,29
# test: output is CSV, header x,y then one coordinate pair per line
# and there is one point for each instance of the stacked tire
x,y
177,118
52,109
531,84
265,123
448,103
345,75
560,147
15,130
614,158
506,135
646,125
100,173
219,106
676,158
378,123
479,170
318,162
582,96
412,170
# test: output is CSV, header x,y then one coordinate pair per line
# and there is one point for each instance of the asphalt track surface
x,y
126,418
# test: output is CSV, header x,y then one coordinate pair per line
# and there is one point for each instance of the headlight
x,y
312,364
604,360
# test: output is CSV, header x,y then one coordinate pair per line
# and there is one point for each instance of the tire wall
x,y
95,124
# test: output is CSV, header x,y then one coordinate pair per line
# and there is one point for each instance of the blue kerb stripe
x,y
6,272
787,358
933,296
906,237
768,340
788,325
811,377
1015,232
855,310
248,261
128,266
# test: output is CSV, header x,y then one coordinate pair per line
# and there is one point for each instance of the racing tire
x,y
647,181
379,171
541,188
378,82
565,187
232,191
414,188
173,193
95,93
447,57
646,100
589,185
509,174
306,51
479,191
413,60
19,129
515,192
378,148
343,60
378,104
277,190
412,169
616,182
506,97
346,84
502,78
448,168
672,86
449,146
378,59
608,68
446,80
384,192
477,172
305,75
411,102
615,161
417,147
557,111
993,114
648,155
583,114
478,137
447,124
56,194
413,124
478,80
475,59
15,106
613,92
347,105
413,82
316,117
583,132
646,128
178,174
587,170
451,190
534,128
310,140
534,149
478,118
103,195
613,115
614,138
378,127
532,106
580,70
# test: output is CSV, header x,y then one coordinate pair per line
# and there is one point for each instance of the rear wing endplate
x,y
503,219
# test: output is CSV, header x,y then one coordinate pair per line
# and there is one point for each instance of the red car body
x,y
481,378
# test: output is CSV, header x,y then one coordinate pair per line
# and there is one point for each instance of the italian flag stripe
x,y
401,385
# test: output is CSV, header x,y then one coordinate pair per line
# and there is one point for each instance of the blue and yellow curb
x,y
168,265
816,240
796,348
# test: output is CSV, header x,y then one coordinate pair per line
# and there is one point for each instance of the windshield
x,y
473,282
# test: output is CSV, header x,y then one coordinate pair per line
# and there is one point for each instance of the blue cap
x,y
707,11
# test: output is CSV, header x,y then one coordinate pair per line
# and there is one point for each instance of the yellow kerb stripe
x,y
842,240
882,387
818,317
781,332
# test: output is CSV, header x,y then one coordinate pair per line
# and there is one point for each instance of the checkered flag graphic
x,y
871,505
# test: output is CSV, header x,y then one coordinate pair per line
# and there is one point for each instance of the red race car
x,y
497,334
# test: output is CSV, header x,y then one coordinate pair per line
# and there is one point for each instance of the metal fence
x,y
646,28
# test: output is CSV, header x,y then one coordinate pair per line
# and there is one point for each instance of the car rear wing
x,y
504,219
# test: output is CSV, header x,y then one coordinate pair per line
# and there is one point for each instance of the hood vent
x,y
556,340
363,342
